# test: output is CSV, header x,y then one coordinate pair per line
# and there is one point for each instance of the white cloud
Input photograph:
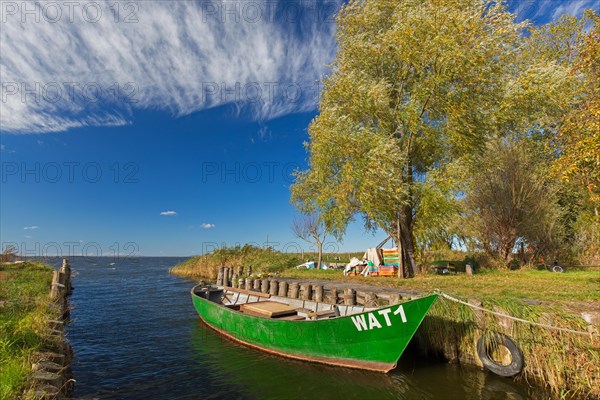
x,y
179,56
550,9
207,226
28,228
575,7
168,213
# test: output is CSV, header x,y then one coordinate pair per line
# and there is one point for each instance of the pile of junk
x,y
376,261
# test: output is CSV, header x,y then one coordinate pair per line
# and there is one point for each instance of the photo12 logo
x,y
53,12
285,247
69,172
250,172
270,11
80,248
79,93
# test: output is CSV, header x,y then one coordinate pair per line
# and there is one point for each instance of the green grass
x,y
24,289
488,284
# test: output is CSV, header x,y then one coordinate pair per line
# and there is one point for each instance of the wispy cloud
x,y
263,56
207,226
168,213
30,228
546,10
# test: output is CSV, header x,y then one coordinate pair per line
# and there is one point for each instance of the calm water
x,y
136,336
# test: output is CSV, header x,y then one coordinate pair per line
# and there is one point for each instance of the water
x,y
136,336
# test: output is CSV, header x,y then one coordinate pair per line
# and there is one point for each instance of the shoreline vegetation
x,y
568,365
24,327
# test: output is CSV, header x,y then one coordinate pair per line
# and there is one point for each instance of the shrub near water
x,y
24,292
261,260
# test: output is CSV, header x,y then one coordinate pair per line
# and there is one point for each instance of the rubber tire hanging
x,y
483,351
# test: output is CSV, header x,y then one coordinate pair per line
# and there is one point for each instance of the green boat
x,y
347,336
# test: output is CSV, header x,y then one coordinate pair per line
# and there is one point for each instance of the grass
x,y
523,284
566,364
24,290
261,260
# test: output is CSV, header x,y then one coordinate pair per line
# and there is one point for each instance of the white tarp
x,y
374,255
310,265
353,263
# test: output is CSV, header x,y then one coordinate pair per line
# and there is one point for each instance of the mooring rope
x,y
557,328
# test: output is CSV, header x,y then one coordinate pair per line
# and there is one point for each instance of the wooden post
x,y
370,299
318,293
54,292
469,269
248,284
256,285
226,276
283,289
264,285
332,298
273,287
394,298
294,290
306,290
229,274
249,270
234,280
349,297
220,276
240,271
66,270
240,283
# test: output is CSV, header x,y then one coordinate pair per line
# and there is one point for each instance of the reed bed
x,y
261,260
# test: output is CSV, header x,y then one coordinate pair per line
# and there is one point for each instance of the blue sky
x,y
164,128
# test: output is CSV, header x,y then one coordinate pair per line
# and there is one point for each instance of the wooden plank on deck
x,y
268,309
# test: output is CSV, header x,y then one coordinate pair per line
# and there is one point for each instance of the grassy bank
x,y
24,313
566,364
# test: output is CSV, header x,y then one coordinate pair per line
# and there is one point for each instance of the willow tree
x,y
578,138
414,87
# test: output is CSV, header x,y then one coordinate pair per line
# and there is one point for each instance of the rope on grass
x,y
557,328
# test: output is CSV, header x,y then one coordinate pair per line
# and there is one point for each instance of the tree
x,y
9,253
510,198
417,87
310,227
578,139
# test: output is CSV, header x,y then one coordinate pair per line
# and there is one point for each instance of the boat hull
x,y
372,340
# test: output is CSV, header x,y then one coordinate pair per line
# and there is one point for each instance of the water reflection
x,y
263,376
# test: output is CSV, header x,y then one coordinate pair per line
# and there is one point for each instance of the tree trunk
x,y
320,254
407,241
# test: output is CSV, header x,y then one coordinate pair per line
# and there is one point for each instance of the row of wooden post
x,y
51,376
304,291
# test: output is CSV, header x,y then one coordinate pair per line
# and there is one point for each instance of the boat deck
x,y
274,307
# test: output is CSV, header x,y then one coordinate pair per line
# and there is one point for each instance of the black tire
x,y
483,351
558,268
